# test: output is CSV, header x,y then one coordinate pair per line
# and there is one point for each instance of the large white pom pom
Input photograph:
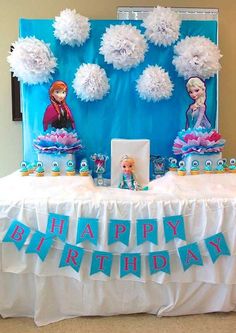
x,y
32,61
162,26
90,82
71,28
154,84
123,46
196,56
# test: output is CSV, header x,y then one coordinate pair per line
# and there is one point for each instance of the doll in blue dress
x,y
128,178
196,113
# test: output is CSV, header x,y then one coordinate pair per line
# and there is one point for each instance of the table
x,y
47,293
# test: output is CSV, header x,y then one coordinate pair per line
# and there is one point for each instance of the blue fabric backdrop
x,y
121,114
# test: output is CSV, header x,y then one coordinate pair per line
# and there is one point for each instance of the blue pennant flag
x,y
40,244
101,262
17,234
159,261
174,227
119,231
217,246
72,256
190,255
58,225
146,230
87,230
130,263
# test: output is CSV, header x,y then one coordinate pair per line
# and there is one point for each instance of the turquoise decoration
x,y
40,244
24,170
174,227
182,168
158,166
84,170
72,256
146,231
195,168
217,246
58,225
130,263
39,168
70,166
232,167
159,261
99,167
17,234
87,230
110,115
190,255
220,166
208,166
119,231
55,168
226,167
101,262
173,164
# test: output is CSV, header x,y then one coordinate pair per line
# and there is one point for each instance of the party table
x,y
46,292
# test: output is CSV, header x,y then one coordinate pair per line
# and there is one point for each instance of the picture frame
x,y
15,95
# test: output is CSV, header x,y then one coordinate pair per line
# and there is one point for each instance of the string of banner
x,y
118,231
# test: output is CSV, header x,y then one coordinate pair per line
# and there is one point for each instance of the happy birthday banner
x,y
118,231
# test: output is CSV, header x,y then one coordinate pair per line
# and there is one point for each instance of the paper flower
x,y
196,56
154,84
90,82
32,61
199,140
162,26
58,141
71,28
123,46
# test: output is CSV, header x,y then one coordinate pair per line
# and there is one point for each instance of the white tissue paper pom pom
x,y
71,28
196,56
32,61
90,82
162,26
123,46
154,84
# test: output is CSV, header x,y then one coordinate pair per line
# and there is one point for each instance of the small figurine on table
x,y
55,170
84,170
128,178
173,166
70,168
220,166
24,170
208,167
232,167
40,169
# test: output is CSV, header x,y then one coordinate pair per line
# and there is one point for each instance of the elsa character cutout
x,y
128,178
58,114
196,113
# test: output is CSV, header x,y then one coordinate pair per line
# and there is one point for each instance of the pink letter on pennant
x,y
72,256
147,227
60,226
155,262
120,228
18,231
88,231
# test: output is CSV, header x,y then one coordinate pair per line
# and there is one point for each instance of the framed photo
x,y
15,96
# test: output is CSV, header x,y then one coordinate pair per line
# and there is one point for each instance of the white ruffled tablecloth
x,y
42,290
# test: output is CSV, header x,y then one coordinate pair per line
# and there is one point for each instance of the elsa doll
x,y
128,179
196,113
